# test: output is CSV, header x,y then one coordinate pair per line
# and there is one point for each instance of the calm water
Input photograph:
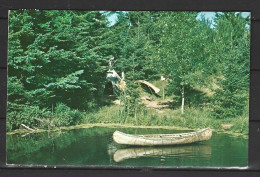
x,y
94,146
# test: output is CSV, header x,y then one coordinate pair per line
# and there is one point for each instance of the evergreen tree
x,y
55,56
232,54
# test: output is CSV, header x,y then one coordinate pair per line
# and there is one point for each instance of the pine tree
x,y
232,54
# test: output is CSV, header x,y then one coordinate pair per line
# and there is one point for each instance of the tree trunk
x,y
136,122
163,88
182,100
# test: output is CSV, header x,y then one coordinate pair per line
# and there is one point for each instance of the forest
x,y
58,62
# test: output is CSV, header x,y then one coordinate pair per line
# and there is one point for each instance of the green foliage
x,y
58,62
24,114
232,95
130,102
56,52
134,35
34,117
64,116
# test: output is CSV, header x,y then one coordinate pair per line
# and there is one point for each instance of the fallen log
x,y
25,134
26,127
38,119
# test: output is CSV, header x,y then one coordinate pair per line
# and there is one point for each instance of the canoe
x,y
138,152
148,84
162,139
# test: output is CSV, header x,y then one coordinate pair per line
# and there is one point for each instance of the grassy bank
x,y
110,125
110,116
192,118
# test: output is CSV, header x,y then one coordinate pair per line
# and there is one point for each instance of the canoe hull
x,y
162,139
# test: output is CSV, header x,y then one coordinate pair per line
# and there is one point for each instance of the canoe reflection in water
x,y
136,152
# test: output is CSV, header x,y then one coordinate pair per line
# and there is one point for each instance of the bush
x,y
23,114
242,125
64,116
228,105
91,118
33,116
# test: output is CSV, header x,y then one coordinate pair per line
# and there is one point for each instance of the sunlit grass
x,y
193,118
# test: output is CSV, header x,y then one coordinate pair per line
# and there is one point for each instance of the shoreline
x,y
114,125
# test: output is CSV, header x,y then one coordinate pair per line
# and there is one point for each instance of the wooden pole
x,y
163,79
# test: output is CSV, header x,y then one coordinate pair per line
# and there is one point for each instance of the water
x,y
94,146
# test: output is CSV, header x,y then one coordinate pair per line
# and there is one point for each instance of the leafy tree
x,y
178,55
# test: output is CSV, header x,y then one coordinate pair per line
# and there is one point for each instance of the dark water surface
x,y
94,146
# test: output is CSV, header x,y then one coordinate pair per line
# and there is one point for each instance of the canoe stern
x,y
205,134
